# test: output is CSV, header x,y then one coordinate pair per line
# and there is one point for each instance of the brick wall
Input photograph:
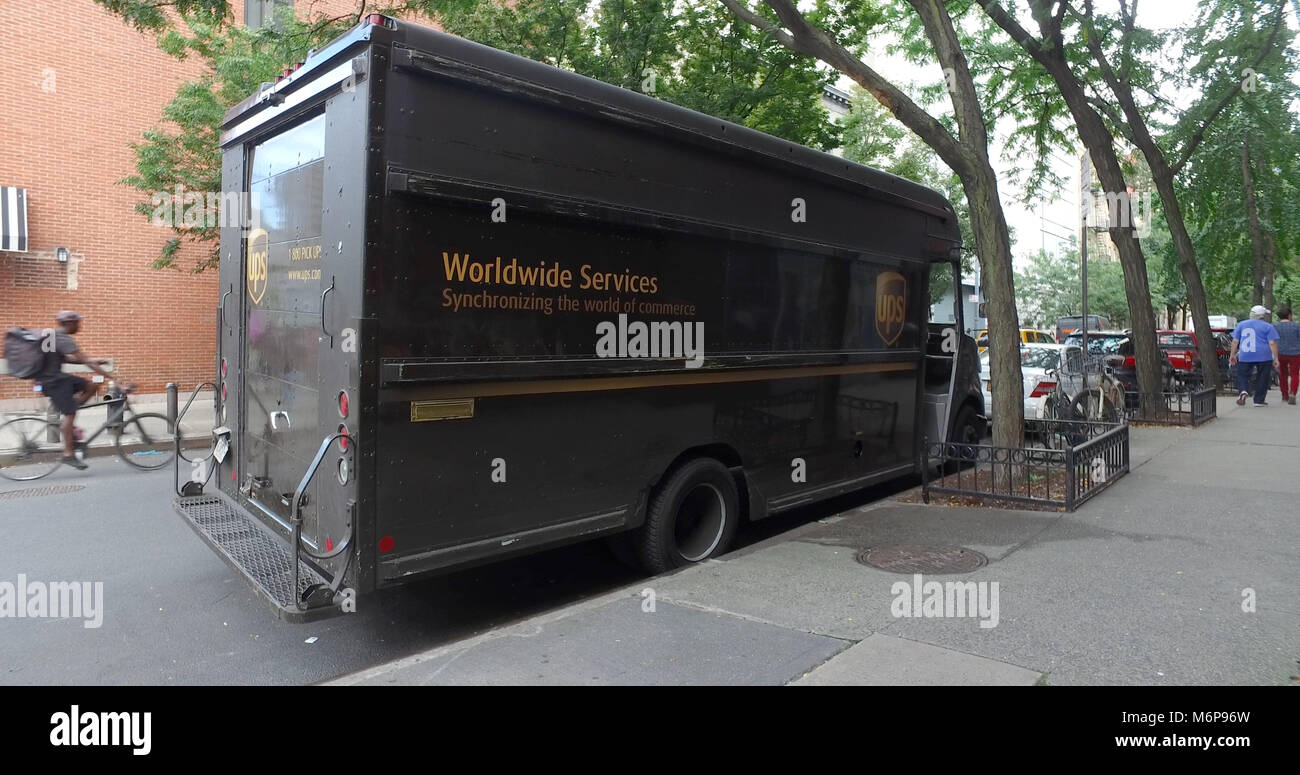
x,y
77,87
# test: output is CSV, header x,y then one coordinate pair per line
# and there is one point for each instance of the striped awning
x,y
13,219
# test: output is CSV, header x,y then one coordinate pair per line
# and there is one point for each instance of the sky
x,y
1048,220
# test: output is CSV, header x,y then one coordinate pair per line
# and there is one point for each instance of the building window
x,y
262,13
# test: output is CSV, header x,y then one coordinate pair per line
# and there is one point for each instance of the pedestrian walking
x,y
1254,351
1288,354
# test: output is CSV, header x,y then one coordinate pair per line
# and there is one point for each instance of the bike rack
x,y
176,439
299,501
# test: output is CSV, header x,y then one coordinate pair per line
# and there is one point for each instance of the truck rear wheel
x,y
692,517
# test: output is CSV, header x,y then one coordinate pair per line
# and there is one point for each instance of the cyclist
x,y
67,392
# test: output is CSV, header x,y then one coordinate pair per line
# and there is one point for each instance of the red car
x,y
1180,348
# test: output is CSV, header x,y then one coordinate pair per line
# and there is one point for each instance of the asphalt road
x,y
176,614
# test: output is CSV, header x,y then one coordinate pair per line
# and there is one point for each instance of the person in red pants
x,y
1288,354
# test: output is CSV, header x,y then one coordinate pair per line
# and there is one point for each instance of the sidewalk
x,y
1145,585
197,424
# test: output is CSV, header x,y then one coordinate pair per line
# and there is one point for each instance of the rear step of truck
x,y
261,557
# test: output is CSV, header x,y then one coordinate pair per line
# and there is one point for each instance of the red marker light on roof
x,y
375,18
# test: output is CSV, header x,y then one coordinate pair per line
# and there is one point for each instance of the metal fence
x,y
1076,460
1185,408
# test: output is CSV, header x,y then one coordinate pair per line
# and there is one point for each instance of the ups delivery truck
x,y
482,306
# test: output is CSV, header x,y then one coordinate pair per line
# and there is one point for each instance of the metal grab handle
x,y
176,437
325,293
295,518
287,424
222,308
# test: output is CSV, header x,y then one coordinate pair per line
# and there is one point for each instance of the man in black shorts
x,y
66,391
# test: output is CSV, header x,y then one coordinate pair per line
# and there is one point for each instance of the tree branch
x,y
801,37
1195,140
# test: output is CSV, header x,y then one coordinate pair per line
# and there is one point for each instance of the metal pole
x,y
171,407
1085,185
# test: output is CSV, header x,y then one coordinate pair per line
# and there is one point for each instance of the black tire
x,y
692,516
966,429
30,447
145,441
1088,400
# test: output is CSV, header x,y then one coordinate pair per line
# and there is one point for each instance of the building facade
x,y
80,86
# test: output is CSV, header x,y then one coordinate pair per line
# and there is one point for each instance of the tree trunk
x,y
993,247
1187,266
1256,234
1049,53
1137,287
967,154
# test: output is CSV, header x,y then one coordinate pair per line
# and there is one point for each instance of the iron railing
x,y
1074,461
1191,407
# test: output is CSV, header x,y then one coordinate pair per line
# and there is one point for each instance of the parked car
x,y
1071,323
1027,336
1098,341
1180,348
1036,360
1124,366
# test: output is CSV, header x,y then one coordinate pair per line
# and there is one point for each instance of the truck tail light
x,y
224,368
223,392
347,437
1043,388
343,404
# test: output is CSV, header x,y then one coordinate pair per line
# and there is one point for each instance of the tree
x,y
1222,68
691,53
1048,287
962,144
1050,51
1242,195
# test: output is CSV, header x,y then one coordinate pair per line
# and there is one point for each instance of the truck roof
x,y
595,97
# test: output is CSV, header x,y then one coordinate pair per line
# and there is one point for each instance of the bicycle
x,y
1101,399
32,446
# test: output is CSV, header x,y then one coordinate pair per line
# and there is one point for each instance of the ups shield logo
x,y
256,268
891,306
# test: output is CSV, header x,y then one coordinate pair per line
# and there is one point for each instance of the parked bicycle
x,y
1097,397
32,447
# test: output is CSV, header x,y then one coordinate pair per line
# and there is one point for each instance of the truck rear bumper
x,y
260,556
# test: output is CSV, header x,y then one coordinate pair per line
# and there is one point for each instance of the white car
x,y
1035,361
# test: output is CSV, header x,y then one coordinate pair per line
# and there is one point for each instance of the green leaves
x,y
183,149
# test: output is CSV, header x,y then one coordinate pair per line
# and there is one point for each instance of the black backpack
x,y
23,352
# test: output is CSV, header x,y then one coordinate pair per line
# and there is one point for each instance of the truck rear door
x,y
286,176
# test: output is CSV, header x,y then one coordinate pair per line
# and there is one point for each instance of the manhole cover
x,y
898,558
36,492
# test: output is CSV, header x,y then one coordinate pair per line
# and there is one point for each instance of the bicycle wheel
x,y
1061,415
1090,405
146,441
30,447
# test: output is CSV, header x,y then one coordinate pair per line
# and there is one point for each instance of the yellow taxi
x,y
1027,336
